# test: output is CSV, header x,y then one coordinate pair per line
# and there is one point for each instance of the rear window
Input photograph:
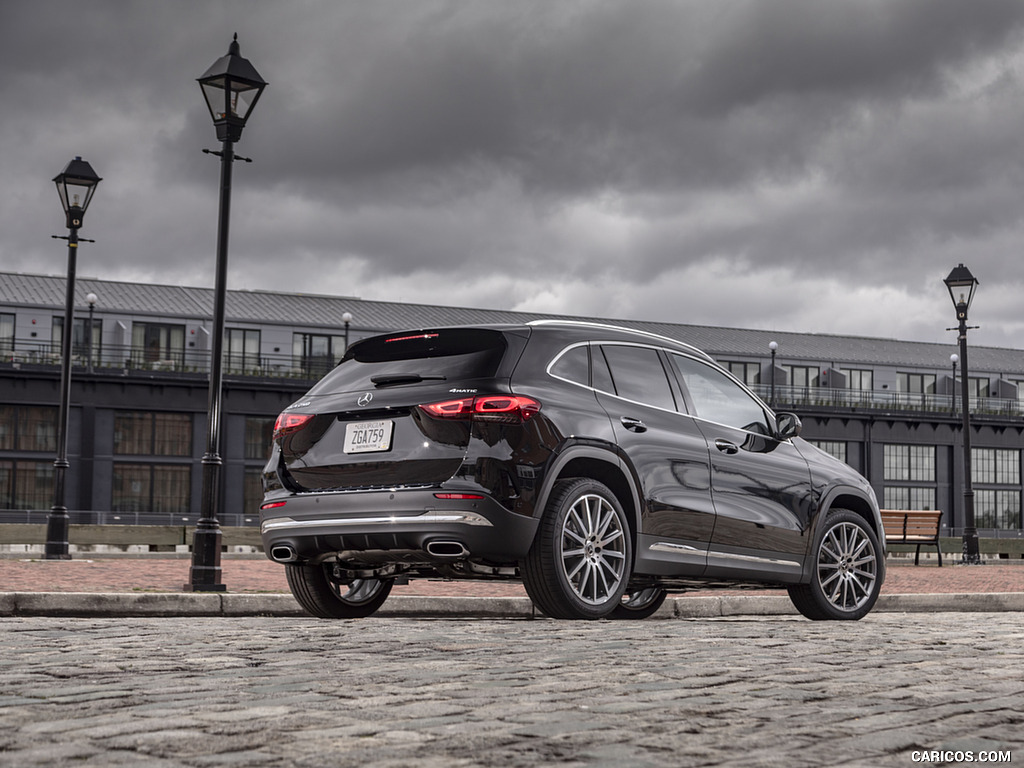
x,y
412,356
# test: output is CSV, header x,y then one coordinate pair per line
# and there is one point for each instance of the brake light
x,y
508,409
458,496
273,505
410,338
290,422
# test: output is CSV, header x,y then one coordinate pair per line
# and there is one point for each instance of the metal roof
x,y
315,311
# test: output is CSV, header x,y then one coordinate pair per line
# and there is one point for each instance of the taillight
x,y
507,409
273,504
290,422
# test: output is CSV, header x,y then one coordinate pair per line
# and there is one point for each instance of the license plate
x,y
368,436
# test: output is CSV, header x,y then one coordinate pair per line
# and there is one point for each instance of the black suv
x,y
602,467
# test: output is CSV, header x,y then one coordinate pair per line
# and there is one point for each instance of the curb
x,y
172,604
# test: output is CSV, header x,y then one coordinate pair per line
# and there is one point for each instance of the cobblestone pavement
x,y
430,692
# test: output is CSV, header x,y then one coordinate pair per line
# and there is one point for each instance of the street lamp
x,y
962,285
91,299
75,185
954,359
231,87
773,346
346,318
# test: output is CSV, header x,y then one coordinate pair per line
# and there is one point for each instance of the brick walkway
x,y
145,574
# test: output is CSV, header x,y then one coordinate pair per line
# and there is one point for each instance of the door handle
x,y
726,447
633,425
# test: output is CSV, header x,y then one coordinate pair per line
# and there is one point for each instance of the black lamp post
x,y
953,359
232,86
773,346
75,185
91,299
962,285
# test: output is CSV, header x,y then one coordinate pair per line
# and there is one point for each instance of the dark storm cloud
x,y
564,156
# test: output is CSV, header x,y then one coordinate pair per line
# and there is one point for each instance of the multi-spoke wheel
x,y
847,572
319,595
582,558
640,603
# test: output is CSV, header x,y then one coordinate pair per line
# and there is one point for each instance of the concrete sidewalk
x,y
152,586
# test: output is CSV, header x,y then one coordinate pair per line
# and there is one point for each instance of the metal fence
x,y
881,399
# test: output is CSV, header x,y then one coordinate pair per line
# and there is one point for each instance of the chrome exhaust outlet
x,y
283,554
447,549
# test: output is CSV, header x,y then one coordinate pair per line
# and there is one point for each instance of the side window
x,y
638,375
573,366
718,398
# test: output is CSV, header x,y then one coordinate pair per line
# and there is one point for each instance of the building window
x,y
26,484
997,509
315,353
158,343
242,348
857,379
913,463
834,448
908,498
801,375
978,386
916,383
995,466
259,435
6,333
28,428
909,464
80,348
162,489
139,433
748,373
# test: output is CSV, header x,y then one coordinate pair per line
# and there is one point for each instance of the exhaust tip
x,y
447,549
283,554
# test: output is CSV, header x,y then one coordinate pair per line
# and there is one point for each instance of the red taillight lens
x,y
273,505
458,496
290,422
508,409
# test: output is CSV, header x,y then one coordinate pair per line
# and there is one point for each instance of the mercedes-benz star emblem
x,y
365,398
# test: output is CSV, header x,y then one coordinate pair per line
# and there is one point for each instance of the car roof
x,y
618,333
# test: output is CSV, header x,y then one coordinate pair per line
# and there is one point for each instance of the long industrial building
x,y
139,390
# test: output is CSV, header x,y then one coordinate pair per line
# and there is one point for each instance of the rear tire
x,y
640,604
325,599
582,558
846,578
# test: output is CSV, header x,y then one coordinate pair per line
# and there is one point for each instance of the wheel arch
x,y
599,464
857,501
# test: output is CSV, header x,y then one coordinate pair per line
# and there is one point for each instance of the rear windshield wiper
x,y
392,379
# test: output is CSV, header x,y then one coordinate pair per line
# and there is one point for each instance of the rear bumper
x,y
315,526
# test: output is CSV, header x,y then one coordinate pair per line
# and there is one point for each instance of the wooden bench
x,y
917,527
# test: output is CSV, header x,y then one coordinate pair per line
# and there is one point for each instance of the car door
x,y
761,486
668,453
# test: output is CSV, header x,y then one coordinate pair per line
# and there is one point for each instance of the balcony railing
x,y
882,399
128,359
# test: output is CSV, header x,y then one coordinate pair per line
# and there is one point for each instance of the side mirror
x,y
787,425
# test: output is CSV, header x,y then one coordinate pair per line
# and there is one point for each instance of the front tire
x,y
847,575
326,599
581,561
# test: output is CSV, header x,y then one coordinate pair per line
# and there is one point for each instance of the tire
x,y
325,599
639,604
582,558
847,574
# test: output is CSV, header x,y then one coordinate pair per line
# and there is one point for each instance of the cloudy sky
x,y
776,164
